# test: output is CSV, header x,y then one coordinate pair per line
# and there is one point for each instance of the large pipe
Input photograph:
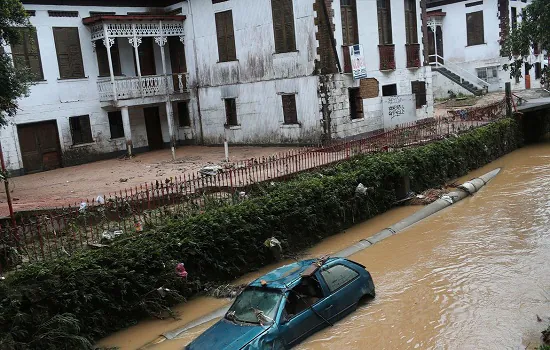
x,y
462,191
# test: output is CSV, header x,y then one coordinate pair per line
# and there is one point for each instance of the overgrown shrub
x,y
66,304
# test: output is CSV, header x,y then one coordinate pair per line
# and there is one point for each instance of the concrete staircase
x,y
474,89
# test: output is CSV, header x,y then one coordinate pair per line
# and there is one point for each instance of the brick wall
x,y
325,52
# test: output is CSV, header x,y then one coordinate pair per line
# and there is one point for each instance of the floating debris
x,y
226,291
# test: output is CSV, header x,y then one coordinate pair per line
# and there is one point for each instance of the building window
x,y
226,36
384,22
474,28
348,9
410,22
419,90
184,119
389,90
289,109
283,26
514,16
81,131
103,59
115,124
538,70
355,103
26,54
69,55
231,112
488,74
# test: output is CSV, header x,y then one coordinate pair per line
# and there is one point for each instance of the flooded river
x,y
473,276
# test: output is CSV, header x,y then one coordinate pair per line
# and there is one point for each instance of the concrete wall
x,y
469,58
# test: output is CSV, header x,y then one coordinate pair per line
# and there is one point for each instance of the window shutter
x,y
289,109
177,55
290,36
349,23
26,54
419,89
69,56
226,36
86,129
475,28
278,25
384,22
230,38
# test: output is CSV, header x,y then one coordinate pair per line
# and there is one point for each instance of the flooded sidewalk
x,y
469,277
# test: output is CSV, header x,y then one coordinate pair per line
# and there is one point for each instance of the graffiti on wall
x,y
399,109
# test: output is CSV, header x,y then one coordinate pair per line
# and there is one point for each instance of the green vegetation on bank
x,y
68,303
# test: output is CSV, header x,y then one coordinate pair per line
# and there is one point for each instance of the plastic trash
x,y
362,189
211,170
274,246
448,199
180,270
82,207
110,235
100,200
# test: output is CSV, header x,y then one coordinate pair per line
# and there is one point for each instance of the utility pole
x,y
7,186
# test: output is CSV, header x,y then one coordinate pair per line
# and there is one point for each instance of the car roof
x,y
287,276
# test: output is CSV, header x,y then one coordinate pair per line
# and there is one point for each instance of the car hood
x,y
227,335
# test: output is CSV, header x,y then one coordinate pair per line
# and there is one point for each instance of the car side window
x,y
337,276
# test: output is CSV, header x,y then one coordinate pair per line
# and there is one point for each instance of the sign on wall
x,y
358,65
398,109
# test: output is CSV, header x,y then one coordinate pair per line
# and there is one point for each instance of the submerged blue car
x,y
287,305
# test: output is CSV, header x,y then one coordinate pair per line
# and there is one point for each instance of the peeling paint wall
x,y
258,77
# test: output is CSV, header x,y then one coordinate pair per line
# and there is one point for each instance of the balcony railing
x,y
413,55
387,57
146,86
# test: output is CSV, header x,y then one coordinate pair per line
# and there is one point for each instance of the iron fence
x,y
62,231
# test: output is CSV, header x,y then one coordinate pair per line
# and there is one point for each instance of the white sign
x,y
399,109
358,64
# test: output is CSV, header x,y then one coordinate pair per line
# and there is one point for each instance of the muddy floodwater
x,y
473,276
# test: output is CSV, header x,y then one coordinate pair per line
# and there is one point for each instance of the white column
x,y
161,41
127,129
135,41
171,128
108,42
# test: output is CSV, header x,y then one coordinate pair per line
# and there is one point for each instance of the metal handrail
x,y
480,82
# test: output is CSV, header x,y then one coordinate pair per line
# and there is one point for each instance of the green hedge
x,y
66,304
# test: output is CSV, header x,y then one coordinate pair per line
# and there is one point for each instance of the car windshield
x,y
258,306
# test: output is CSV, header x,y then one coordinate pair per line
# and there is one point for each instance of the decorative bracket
x,y
109,43
135,42
182,39
161,40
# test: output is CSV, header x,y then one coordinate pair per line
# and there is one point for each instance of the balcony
x,y
149,49
413,55
387,57
140,87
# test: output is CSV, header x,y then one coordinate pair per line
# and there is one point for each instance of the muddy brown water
x,y
473,276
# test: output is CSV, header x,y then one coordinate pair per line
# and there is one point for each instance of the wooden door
x,y
40,149
177,59
146,57
154,131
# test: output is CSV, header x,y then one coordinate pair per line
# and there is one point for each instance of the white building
x,y
251,72
468,36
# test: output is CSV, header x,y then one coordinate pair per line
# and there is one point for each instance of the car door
x,y
305,323
344,288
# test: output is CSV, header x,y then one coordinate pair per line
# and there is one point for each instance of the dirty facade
x,y
468,37
260,72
